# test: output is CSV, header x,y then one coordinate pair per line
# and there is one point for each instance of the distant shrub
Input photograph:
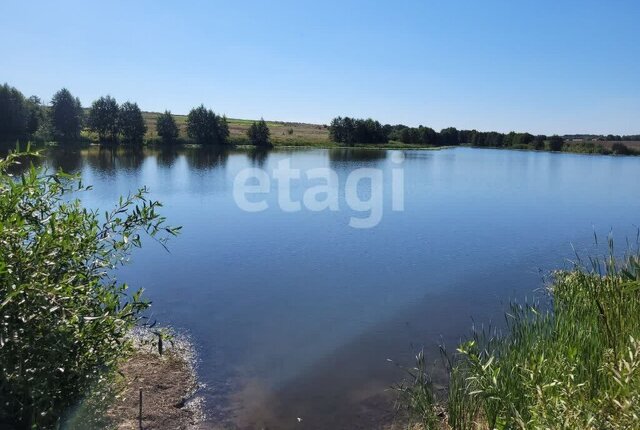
x,y
620,149
588,148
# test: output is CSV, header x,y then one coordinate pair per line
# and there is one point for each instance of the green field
x,y
282,133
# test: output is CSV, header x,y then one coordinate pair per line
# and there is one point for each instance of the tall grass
x,y
573,364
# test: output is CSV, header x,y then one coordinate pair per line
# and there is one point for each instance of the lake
x,y
295,313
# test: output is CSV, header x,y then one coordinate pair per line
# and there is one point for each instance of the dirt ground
x,y
168,385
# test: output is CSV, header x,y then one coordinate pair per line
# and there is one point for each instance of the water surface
x,y
295,314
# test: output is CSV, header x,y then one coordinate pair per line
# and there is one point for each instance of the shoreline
x,y
167,382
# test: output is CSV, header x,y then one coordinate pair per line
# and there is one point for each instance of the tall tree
x,y
166,127
259,134
66,115
35,114
205,127
103,118
13,112
131,123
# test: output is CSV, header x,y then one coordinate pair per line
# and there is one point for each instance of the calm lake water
x,y
294,314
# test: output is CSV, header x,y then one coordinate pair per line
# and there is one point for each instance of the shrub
x,y
620,149
64,317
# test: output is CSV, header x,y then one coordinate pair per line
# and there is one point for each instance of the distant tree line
x,y
64,119
350,130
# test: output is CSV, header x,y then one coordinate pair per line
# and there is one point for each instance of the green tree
x,y
64,316
556,143
538,142
103,118
352,130
205,127
66,116
259,134
131,123
13,112
448,137
166,127
35,114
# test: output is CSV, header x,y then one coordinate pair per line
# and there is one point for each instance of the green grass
x,y
573,365
282,133
287,134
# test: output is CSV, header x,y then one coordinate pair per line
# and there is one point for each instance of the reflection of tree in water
x,y
348,155
107,159
166,156
206,158
258,157
130,158
67,159
102,159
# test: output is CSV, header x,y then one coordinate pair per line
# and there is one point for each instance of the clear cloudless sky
x,y
544,66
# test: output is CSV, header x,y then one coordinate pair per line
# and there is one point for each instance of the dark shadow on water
x,y
258,156
166,156
206,158
67,159
349,155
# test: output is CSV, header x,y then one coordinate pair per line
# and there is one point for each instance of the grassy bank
x,y
572,365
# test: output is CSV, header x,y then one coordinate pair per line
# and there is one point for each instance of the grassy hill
x,y
282,133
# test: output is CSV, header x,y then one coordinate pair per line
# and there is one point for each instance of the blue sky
x,y
540,66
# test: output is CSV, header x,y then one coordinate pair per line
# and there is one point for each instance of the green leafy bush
x,y
63,317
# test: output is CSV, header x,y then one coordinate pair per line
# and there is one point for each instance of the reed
x,y
569,362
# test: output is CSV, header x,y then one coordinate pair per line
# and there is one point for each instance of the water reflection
x,y
68,160
206,158
295,314
167,156
258,157
341,156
